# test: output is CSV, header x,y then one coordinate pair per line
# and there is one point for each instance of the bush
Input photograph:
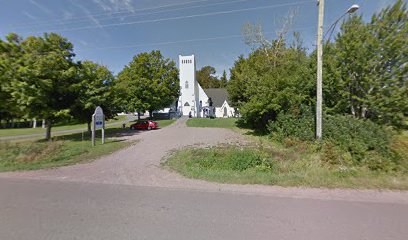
x,y
293,126
342,136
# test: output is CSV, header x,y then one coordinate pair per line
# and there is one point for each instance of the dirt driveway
x,y
140,165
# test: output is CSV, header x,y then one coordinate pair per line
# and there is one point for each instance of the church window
x,y
186,104
186,85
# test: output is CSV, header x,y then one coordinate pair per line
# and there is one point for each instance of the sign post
x,y
98,122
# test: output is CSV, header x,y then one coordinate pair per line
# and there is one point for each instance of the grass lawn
x,y
284,164
165,123
214,123
25,131
63,150
284,167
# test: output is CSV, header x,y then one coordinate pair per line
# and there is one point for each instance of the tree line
x,y
41,79
206,77
365,73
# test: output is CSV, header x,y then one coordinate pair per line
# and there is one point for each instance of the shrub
x,y
292,126
343,136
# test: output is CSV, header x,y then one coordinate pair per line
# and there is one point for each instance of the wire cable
x,y
129,15
181,17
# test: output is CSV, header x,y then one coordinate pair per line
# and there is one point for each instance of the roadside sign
x,y
99,118
98,122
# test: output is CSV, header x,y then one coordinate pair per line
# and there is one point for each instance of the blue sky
x,y
111,32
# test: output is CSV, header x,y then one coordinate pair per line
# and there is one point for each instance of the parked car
x,y
144,125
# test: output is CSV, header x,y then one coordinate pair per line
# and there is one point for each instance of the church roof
x,y
217,95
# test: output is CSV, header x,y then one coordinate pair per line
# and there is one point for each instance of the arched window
x,y
186,104
186,85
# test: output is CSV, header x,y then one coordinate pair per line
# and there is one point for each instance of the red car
x,y
144,125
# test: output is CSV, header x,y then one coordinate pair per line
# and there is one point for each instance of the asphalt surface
x,y
55,210
127,195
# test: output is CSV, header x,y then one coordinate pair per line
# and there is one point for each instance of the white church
x,y
197,102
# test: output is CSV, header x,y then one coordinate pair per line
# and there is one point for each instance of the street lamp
x,y
319,98
332,27
353,8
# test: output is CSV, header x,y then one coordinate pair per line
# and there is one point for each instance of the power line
x,y
185,41
184,17
123,11
170,42
72,21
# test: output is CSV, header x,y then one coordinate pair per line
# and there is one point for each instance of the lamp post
x,y
319,97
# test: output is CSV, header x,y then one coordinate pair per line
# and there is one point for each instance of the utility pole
x,y
319,98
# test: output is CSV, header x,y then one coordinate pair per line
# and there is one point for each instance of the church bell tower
x,y
189,96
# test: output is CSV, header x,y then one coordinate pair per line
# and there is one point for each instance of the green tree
x,y
206,77
44,78
365,70
388,68
224,80
271,80
149,82
94,89
353,55
10,56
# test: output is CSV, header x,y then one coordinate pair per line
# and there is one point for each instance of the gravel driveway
x,y
140,165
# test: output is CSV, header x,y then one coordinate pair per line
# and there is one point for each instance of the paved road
x,y
126,195
55,210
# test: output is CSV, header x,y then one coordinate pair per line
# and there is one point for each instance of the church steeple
x,y
189,97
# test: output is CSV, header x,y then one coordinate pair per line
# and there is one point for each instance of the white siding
x,y
188,95
219,111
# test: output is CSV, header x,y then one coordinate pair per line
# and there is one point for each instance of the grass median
x,y
288,163
284,167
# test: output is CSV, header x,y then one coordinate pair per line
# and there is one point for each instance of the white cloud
x,y
90,16
67,15
29,15
115,5
83,43
43,8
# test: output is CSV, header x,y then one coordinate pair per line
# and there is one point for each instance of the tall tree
x,y
45,78
94,89
10,57
206,77
149,82
353,55
388,68
269,81
223,80
366,67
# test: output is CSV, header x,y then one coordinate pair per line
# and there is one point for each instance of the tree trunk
x,y
48,131
89,126
43,123
34,123
150,113
363,112
138,115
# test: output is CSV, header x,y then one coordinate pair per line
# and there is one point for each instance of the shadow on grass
x,y
240,123
86,136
